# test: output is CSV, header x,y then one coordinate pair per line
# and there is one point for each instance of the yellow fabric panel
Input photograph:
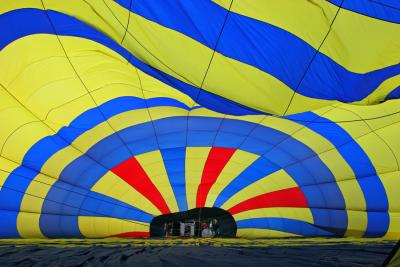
x,y
357,223
82,11
62,115
113,186
257,119
276,181
377,115
125,80
347,120
170,50
195,160
155,88
41,65
165,112
26,56
263,91
308,20
105,73
239,161
206,113
104,86
23,139
3,177
153,165
108,16
355,205
283,125
380,93
391,183
90,56
36,192
31,206
378,152
388,124
384,121
56,163
262,233
302,103
113,90
336,164
6,167
98,227
7,6
368,44
345,177
393,232
13,117
391,136
28,225
39,79
302,214
98,70
352,193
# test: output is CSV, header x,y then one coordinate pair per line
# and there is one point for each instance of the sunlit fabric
x,y
284,113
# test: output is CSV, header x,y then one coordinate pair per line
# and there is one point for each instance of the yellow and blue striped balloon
x,y
286,114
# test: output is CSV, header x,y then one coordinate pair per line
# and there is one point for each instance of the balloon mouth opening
x,y
199,222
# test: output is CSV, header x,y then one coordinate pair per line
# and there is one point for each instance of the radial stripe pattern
x,y
283,113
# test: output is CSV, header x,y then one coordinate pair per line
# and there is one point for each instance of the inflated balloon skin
x,y
283,113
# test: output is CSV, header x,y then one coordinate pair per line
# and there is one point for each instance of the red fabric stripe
x,y
132,173
133,235
216,161
292,197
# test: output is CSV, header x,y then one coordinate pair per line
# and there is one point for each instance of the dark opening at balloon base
x,y
200,222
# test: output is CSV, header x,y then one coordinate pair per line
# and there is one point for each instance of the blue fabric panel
x,y
376,224
387,10
174,162
7,223
333,220
59,226
393,94
324,196
327,80
200,20
13,189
